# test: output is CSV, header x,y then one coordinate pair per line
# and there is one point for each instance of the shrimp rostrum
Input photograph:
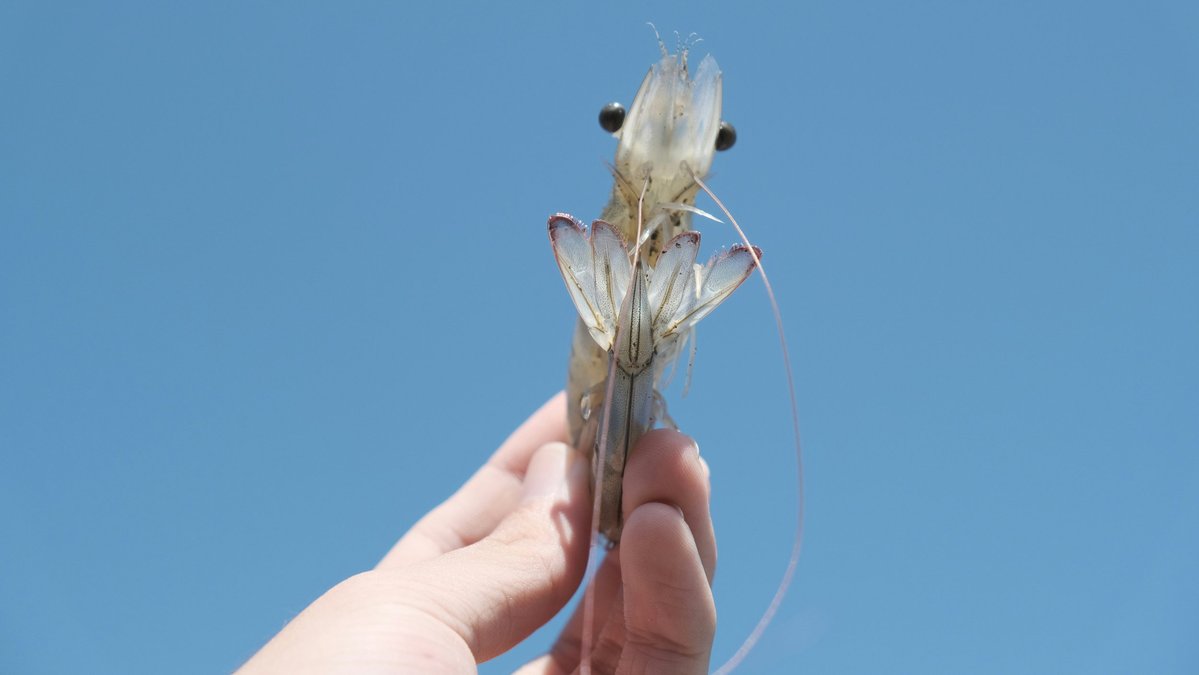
x,y
633,278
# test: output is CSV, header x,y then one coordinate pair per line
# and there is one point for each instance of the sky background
x,y
274,280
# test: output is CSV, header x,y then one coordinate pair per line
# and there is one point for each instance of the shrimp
x,y
639,300
666,143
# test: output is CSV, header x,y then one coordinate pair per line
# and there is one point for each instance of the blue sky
x,y
274,280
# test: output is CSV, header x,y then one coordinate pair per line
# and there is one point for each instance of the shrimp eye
x,y
611,117
726,137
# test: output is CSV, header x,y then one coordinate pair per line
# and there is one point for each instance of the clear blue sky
x,y
274,279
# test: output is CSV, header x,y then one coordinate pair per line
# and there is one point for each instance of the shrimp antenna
x,y
602,450
591,577
658,37
793,562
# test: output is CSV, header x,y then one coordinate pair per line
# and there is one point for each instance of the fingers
x,y
607,610
670,616
489,495
496,591
666,468
668,557
664,472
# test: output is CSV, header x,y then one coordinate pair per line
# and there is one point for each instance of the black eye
x,y
611,117
726,137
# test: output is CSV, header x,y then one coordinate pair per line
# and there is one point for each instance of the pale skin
x,y
499,558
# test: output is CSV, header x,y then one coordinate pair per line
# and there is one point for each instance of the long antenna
x,y
601,454
793,562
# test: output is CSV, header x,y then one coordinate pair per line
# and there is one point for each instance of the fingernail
x,y
546,475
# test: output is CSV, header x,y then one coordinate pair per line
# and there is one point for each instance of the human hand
x,y
500,557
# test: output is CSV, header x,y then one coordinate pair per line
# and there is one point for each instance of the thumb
x,y
497,591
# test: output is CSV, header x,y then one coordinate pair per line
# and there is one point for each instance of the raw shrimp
x,y
638,291
666,141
